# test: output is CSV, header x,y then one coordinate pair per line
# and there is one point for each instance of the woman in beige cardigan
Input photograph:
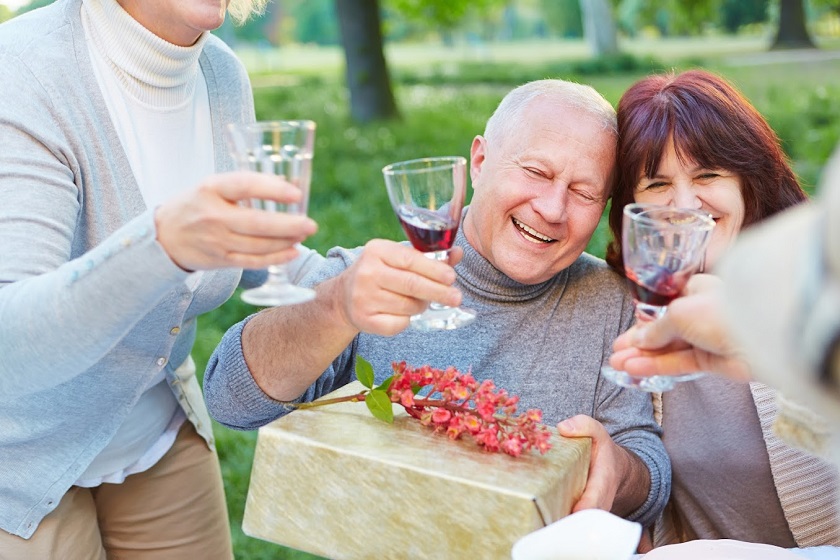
x,y
691,140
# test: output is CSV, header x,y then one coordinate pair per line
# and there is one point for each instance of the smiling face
x,y
180,22
684,184
539,191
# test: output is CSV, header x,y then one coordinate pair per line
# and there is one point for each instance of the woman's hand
x,y
692,336
206,228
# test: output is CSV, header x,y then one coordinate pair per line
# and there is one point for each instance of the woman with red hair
x,y
691,140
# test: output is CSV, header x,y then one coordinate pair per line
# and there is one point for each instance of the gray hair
x,y
573,94
241,10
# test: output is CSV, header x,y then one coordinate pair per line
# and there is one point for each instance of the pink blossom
x,y
441,416
512,446
455,403
407,398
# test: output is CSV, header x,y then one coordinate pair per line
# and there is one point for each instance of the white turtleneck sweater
x,y
157,99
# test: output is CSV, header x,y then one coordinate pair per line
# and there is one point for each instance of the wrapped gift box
x,y
336,482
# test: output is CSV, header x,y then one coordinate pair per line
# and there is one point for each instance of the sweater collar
x,y
152,70
479,276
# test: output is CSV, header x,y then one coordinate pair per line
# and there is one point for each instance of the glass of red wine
x,y
662,247
282,148
428,195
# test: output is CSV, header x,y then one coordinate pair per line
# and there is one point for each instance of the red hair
x,y
713,125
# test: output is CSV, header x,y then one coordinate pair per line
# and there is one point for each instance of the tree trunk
x,y
371,97
599,26
792,33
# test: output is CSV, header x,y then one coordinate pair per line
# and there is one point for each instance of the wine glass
x,y
428,195
282,148
662,247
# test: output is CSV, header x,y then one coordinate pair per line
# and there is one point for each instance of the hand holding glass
x,y
662,247
428,195
282,148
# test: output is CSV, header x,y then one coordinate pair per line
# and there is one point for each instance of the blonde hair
x,y
241,10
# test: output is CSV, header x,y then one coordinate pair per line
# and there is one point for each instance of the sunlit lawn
x,y
801,100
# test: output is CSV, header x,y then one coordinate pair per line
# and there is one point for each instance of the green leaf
x,y
380,405
364,372
385,385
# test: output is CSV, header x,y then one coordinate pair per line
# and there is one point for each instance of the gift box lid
x,y
337,482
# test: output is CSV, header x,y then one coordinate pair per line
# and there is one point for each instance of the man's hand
x,y
389,283
618,480
690,337
206,228
287,348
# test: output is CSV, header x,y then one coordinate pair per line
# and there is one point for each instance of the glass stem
x,y
438,256
646,312
277,274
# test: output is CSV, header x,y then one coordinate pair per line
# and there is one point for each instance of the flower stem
x,y
349,398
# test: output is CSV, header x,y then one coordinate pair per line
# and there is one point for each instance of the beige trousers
x,y
174,511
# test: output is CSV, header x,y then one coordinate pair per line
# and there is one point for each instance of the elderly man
x,y
547,312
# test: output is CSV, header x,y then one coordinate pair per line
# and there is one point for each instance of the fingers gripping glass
x,y
282,148
662,247
428,195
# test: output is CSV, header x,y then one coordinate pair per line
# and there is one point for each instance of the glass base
x,y
442,318
272,294
652,384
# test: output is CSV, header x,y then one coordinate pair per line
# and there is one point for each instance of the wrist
x,y
163,238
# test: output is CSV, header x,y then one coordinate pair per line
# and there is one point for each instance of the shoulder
x,y
223,60
590,272
227,79
37,33
596,286
38,54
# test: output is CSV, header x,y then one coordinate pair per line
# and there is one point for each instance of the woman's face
x,y
686,185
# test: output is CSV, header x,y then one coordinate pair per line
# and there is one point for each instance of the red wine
x,y
427,230
656,285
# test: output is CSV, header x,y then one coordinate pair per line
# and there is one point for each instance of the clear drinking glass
x,y
662,247
428,195
282,148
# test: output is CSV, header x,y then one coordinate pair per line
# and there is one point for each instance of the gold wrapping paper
x,y
336,482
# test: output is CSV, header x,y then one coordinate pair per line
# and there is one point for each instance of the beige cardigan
x,y
807,485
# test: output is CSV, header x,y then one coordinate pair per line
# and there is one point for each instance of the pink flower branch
x,y
456,404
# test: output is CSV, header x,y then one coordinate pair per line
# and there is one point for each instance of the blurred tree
x,y
669,17
316,22
737,13
563,17
360,26
830,5
599,26
5,13
422,18
445,14
792,32
371,97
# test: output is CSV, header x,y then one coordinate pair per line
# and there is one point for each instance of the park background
x,y
389,80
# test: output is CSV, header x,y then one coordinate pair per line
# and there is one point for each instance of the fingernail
x,y
567,425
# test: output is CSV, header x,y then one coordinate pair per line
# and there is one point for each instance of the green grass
x,y
445,100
